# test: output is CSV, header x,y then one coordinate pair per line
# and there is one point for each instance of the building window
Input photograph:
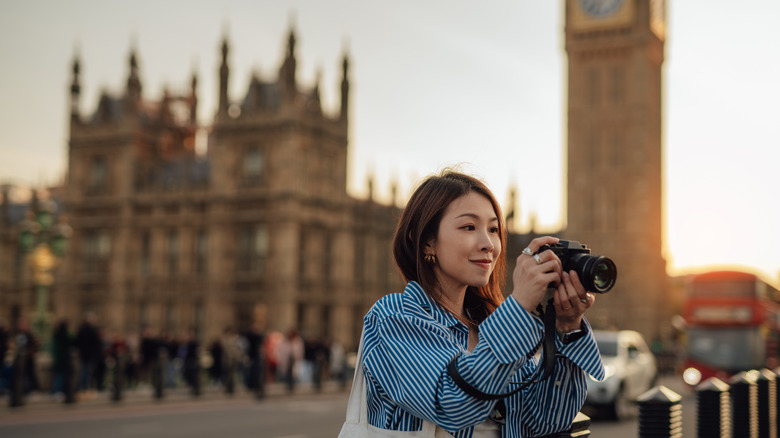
x,y
201,252
327,258
98,176
173,252
170,318
617,85
360,260
143,315
618,148
97,250
594,87
146,253
593,151
252,249
254,164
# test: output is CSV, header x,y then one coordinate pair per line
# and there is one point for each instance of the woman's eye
x,y
494,230
469,227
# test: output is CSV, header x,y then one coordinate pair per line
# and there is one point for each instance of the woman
x,y
449,247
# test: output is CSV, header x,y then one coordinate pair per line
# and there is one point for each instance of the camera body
x,y
597,273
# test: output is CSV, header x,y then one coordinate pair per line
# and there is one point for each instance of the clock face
x,y
600,8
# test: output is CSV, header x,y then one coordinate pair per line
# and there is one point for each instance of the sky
x,y
434,83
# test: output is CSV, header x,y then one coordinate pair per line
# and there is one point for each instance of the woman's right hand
x,y
531,277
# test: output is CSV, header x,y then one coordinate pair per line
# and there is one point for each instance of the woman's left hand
x,y
571,300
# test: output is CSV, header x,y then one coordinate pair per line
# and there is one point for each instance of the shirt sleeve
x,y
406,358
550,406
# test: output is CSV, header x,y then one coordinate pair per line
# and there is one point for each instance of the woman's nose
x,y
487,243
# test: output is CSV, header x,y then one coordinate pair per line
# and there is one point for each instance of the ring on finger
x,y
584,300
527,251
538,259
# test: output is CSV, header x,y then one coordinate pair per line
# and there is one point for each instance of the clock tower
x,y
614,177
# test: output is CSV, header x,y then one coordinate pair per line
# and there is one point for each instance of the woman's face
x,y
468,243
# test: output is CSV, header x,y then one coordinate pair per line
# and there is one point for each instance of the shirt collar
x,y
415,294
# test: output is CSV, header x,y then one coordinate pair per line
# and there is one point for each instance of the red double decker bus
x,y
733,325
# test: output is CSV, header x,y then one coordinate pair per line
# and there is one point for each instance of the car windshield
x,y
607,347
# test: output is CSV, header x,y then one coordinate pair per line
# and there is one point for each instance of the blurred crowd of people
x,y
86,361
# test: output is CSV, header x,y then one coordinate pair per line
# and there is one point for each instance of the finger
x,y
575,281
561,299
570,289
541,241
578,298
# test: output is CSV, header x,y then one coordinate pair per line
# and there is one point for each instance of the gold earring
x,y
430,258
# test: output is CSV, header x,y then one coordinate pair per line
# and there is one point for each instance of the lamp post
x,y
44,243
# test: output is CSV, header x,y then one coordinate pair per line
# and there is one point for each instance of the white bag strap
x,y
356,407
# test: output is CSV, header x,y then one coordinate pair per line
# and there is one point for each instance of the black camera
x,y
597,273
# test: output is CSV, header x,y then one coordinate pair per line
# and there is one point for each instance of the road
x,y
281,416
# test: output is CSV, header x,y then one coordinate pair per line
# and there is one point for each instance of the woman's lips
x,y
484,263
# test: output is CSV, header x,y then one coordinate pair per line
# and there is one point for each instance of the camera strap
x,y
546,367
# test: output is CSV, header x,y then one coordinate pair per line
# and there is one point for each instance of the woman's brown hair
x,y
419,224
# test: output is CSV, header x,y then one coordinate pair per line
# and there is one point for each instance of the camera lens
x,y
597,273
604,275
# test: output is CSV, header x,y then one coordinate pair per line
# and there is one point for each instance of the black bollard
x,y
16,397
714,409
767,409
660,414
69,380
744,404
158,378
119,376
261,370
195,370
230,377
578,429
777,400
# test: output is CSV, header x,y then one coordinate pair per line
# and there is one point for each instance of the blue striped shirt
x,y
409,340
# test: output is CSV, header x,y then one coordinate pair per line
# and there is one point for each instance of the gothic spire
x,y
224,72
133,81
75,89
287,72
194,98
344,88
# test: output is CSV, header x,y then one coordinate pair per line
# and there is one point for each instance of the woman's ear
x,y
430,247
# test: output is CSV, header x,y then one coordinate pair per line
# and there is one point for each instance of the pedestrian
x,y
216,370
172,362
90,349
189,353
231,356
5,369
338,363
255,378
132,359
450,348
27,347
290,357
151,368
62,342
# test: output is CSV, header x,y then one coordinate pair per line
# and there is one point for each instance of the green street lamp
x,y
44,243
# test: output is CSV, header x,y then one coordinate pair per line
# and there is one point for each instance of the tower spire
x,y
133,81
287,72
194,98
224,72
75,89
344,88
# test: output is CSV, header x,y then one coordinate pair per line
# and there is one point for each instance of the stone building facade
x,y
259,229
